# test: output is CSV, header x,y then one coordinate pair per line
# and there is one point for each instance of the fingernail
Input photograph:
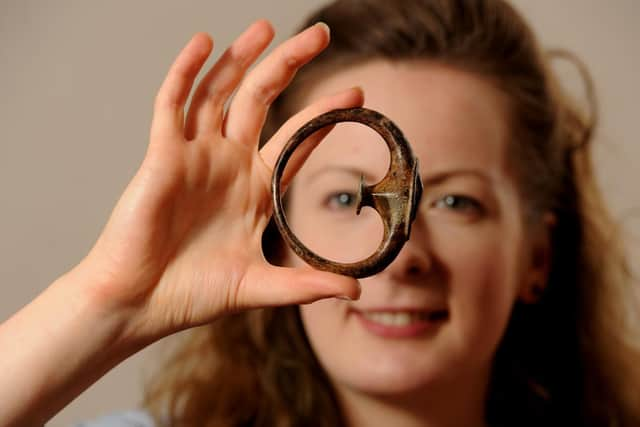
x,y
359,89
344,297
324,26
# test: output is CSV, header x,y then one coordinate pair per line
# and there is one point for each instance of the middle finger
x,y
205,112
248,109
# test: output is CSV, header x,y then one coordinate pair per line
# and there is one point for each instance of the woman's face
x,y
437,313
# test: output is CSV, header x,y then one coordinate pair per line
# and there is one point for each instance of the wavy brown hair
x,y
570,359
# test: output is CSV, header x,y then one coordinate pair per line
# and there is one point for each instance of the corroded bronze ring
x,y
396,197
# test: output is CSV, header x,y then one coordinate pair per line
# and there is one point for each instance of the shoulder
x,y
121,419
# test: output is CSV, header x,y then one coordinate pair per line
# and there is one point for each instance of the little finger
x,y
168,116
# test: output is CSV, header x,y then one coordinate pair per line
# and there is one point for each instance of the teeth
x,y
394,319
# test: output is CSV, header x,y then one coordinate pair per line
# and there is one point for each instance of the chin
x,y
391,379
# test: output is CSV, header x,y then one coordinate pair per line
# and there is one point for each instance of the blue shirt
x,y
121,419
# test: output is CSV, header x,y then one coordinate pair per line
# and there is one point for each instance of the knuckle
x,y
265,92
290,61
262,93
233,64
164,101
238,60
215,93
158,102
232,67
287,58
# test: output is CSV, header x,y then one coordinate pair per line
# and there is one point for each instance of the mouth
x,y
401,323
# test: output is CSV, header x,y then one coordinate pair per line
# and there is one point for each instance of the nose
x,y
414,260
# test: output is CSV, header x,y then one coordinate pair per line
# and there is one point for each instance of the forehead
x,y
452,119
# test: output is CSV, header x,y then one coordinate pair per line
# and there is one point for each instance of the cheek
x,y
484,278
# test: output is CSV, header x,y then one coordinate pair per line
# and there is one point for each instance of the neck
x,y
458,403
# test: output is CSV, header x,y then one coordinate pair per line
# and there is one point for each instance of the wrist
x,y
91,294
59,344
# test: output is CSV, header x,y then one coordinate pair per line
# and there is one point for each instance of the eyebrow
x,y
356,172
439,177
430,179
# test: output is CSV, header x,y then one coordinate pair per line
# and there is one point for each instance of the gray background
x,y
77,81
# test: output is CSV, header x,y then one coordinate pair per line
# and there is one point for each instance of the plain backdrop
x,y
77,81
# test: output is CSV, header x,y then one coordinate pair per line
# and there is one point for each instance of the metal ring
x,y
396,197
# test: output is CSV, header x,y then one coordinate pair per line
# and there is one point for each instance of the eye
x,y
341,200
459,203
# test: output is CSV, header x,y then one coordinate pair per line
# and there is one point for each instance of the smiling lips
x,y
395,323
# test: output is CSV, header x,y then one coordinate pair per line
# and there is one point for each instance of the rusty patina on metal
x,y
396,197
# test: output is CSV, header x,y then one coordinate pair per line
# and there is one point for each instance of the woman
x,y
506,307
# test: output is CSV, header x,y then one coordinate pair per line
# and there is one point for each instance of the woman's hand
x,y
183,244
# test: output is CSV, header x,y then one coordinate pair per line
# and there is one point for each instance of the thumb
x,y
268,285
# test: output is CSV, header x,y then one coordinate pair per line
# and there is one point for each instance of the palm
x,y
210,237
184,241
